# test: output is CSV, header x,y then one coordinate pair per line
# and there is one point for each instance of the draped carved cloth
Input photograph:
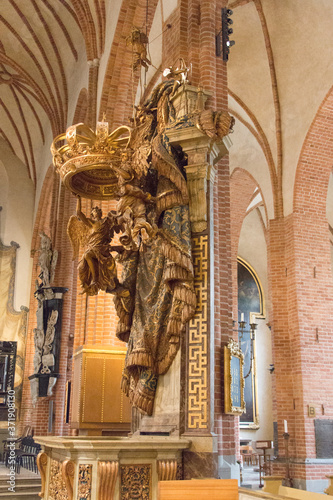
x,y
160,280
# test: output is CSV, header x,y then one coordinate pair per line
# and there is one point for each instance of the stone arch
x,y
315,161
240,181
311,187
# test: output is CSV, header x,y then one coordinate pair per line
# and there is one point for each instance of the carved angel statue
x,y
132,205
178,75
97,267
139,41
47,260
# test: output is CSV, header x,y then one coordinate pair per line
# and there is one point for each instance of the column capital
x,y
202,153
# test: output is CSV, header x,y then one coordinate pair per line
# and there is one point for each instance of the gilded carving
x,y
42,465
86,161
215,124
57,486
97,267
156,297
167,470
139,40
84,482
135,482
68,469
107,478
233,379
198,370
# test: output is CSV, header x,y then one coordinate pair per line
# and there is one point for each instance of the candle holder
x,y
288,480
252,331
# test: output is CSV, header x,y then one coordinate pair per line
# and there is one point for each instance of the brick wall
x,y
302,293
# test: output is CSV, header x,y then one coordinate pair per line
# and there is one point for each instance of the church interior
x,y
166,245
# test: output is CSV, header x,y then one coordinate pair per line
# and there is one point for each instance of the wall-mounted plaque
x,y
234,403
324,437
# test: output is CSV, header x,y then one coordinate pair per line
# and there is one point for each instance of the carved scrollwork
x,y
42,464
107,477
68,469
167,470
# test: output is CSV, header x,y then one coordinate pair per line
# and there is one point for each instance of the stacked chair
x,y
26,451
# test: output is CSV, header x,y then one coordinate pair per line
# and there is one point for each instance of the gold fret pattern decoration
x,y
57,485
135,481
84,486
198,370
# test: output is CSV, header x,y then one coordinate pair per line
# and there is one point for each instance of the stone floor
x,y
24,473
27,485
250,476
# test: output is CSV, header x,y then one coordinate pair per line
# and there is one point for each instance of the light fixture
x,y
252,332
222,41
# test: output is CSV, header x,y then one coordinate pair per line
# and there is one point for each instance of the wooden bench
x,y
203,489
273,484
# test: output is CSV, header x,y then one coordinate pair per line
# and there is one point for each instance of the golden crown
x,y
88,160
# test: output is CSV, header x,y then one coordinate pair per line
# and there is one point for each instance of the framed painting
x,y
251,304
234,403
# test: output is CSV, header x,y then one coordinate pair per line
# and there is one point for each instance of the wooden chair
x,y
205,489
27,432
248,455
26,456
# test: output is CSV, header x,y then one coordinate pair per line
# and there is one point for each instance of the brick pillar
x,y
300,274
54,224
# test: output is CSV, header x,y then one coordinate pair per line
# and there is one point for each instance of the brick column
x,y
300,274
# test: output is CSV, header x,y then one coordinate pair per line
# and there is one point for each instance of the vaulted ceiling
x,y
41,44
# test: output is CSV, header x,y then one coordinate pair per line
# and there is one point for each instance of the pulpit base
x,y
105,468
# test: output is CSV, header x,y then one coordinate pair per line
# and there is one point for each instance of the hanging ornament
x,y
139,41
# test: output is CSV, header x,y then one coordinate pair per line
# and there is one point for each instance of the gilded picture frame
x,y
252,303
234,403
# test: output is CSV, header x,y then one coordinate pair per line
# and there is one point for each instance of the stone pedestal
x,y
108,468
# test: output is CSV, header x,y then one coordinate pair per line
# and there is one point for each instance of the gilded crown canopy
x,y
88,160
